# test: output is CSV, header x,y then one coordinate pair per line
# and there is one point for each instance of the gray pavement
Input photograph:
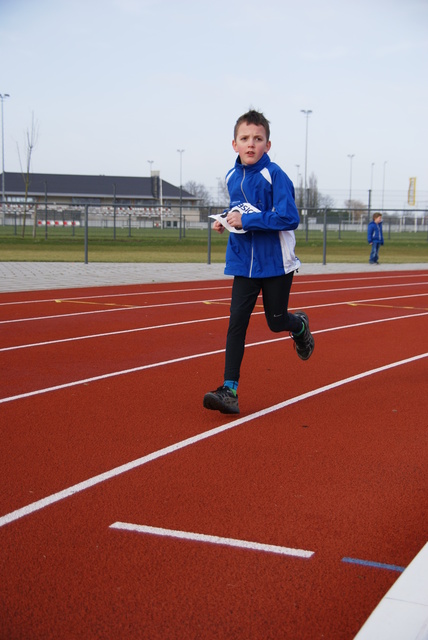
x,y
30,276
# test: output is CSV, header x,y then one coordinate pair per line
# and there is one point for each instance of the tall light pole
x,y
307,113
350,156
150,163
383,182
370,193
298,190
3,97
181,151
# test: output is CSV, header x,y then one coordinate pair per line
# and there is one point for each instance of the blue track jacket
x,y
267,247
374,232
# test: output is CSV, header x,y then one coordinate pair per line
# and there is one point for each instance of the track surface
x,y
129,511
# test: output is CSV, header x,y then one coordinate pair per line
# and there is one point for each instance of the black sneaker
x,y
304,344
222,399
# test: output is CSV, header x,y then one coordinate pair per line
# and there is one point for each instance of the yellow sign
x,y
411,196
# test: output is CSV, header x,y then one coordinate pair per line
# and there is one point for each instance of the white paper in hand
x,y
221,217
245,207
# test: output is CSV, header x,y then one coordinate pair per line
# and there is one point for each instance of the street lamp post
x,y
3,97
298,189
150,163
307,113
181,151
114,211
370,193
383,183
350,156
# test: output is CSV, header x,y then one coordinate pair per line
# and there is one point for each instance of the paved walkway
x,y
27,276
403,612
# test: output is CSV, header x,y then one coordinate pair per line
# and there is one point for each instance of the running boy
x,y
260,253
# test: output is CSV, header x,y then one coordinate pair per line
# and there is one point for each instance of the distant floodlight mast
x,y
370,192
181,151
350,156
307,113
3,97
383,183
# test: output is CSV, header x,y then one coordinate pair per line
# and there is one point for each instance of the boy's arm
x,y
283,215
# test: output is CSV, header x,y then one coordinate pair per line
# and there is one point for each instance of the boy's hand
x,y
234,218
217,226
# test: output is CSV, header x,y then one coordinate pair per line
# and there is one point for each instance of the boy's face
x,y
251,143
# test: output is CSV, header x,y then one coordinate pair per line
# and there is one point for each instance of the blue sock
x,y
232,384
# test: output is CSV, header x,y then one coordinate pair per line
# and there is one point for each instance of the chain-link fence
x,y
91,221
344,220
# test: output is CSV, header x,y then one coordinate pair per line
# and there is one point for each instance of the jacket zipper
x,y
242,185
252,247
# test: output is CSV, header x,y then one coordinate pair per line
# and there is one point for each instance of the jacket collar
x,y
261,164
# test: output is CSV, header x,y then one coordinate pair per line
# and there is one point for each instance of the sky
x,y
117,87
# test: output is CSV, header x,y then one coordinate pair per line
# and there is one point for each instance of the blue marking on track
x,y
377,565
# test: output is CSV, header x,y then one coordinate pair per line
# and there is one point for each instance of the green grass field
x,y
156,245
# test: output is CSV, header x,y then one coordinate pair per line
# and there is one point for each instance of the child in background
x,y
375,237
260,253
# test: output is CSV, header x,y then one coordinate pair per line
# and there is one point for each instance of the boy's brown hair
x,y
376,216
252,117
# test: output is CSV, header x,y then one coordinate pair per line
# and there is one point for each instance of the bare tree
x,y
313,194
325,201
356,208
222,193
30,143
199,191
299,194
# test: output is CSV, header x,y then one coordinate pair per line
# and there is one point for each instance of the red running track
x,y
129,511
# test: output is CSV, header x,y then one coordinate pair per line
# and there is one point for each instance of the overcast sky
x,y
116,83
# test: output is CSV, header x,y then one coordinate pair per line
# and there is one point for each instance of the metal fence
x,y
394,220
47,218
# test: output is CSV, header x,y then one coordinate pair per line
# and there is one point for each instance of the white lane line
x,y
422,273
108,475
116,295
202,537
105,376
196,321
299,280
178,303
113,333
115,310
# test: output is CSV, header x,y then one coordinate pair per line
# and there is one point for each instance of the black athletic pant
x,y
245,292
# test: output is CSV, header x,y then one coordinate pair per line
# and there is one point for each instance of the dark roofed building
x,y
145,197
93,187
